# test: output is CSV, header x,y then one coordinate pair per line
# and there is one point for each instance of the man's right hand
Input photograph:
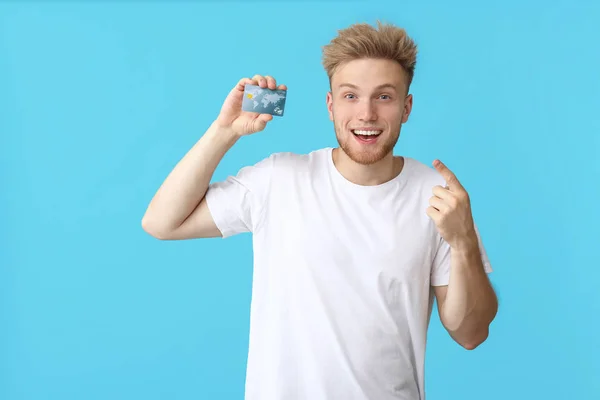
x,y
179,210
241,122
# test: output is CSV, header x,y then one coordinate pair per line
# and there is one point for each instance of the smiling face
x,y
368,105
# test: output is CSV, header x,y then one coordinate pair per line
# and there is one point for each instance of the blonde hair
x,y
362,40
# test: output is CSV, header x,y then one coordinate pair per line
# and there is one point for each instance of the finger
x,y
260,81
254,116
250,115
450,178
433,213
438,204
265,117
442,192
261,122
243,82
271,84
282,87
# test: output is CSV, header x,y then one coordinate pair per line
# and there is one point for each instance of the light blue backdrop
x,y
99,101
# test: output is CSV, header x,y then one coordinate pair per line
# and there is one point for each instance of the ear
x,y
329,102
408,103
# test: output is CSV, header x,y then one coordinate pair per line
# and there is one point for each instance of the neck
x,y
377,173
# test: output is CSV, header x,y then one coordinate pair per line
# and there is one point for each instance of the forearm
x,y
470,304
186,185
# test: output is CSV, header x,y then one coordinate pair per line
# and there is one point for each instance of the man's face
x,y
368,105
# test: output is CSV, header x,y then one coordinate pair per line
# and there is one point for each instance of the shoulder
x,y
423,175
299,162
284,166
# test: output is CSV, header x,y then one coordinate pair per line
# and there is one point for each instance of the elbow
x,y
470,345
154,229
475,341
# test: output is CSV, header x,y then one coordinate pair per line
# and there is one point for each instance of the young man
x,y
350,244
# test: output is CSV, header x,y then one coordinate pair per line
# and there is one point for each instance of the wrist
x,y
468,245
223,134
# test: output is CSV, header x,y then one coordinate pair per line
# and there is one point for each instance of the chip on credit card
x,y
264,100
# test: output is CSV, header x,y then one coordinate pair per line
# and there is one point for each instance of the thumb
x,y
260,122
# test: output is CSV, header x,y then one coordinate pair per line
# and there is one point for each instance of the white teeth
x,y
367,133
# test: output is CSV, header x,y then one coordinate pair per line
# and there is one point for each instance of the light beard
x,y
368,155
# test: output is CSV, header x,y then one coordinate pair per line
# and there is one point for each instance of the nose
x,y
366,111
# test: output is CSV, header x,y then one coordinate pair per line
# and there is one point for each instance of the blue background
x,y
99,101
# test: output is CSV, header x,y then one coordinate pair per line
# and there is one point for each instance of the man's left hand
x,y
450,210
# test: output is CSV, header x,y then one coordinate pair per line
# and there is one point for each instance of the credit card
x,y
264,100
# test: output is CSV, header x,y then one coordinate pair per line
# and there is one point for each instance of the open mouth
x,y
366,135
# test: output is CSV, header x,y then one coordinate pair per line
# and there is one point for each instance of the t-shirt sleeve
x,y
237,203
440,271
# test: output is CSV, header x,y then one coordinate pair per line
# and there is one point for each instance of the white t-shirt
x,y
342,283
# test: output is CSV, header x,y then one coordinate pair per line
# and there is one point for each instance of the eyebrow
x,y
383,86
